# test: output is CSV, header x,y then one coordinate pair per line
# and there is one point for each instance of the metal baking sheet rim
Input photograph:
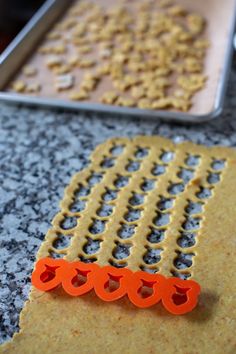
x,y
167,115
54,103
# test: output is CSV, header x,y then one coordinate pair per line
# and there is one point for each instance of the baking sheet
x,y
207,103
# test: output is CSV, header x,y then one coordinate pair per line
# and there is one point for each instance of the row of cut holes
x,y
79,201
70,222
153,255
141,153
122,250
126,231
97,227
166,157
117,150
186,174
192,221
187,238
76,207
157,234
127,227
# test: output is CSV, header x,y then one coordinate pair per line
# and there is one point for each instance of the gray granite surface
x,y
39,152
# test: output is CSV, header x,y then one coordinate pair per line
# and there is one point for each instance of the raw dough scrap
x,y
177,183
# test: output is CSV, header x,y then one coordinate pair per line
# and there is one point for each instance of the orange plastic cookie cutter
x,y
48,273
180,296
106,279
143,289
81,278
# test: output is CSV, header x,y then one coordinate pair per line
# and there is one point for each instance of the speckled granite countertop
x,y
39,152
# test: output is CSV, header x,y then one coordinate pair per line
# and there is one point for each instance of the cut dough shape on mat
x,y
146,204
